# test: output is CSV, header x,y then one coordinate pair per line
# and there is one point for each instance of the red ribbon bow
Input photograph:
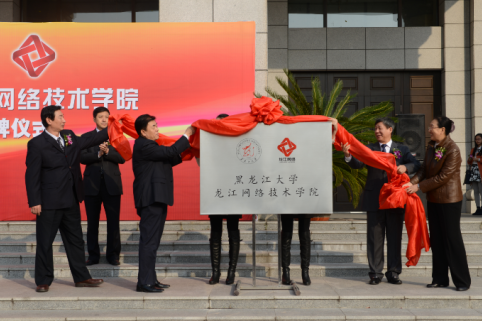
x,y
266,110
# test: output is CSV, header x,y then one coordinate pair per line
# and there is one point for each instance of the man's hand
x,y
104,148
401,169
345,148
190,131
36,210
411,188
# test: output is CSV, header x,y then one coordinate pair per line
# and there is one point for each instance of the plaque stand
x,y
280,286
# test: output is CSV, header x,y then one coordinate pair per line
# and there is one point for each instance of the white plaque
x,y
276,169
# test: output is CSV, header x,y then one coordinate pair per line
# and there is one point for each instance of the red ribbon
x,y
268,111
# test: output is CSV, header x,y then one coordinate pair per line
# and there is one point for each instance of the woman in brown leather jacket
x,y
439,177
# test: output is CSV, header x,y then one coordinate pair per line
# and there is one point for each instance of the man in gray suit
x,y
380,221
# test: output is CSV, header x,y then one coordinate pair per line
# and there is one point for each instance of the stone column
x,y
456,93
277,42
9,10
475,72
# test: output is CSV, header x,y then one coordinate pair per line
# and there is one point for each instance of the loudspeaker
x,y
411,127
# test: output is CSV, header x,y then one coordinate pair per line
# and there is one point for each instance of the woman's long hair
x,y
475,144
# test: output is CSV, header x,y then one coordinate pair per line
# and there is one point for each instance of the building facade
x,y
423,55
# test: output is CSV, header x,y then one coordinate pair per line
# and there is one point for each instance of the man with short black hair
x,y
54,190
153,192
381,221
102,184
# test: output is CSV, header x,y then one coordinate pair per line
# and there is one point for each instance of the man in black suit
x,y
102,184
379,221
54,190
153,192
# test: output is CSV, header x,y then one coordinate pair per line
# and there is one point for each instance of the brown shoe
x,y
90,283
42,288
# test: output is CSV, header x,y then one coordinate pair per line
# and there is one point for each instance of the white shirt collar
x,y
54,137
389,144
97,129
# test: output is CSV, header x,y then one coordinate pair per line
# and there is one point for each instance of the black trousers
x,y
151,226
112,212
379,223
48,223
448,250
217,223
304,222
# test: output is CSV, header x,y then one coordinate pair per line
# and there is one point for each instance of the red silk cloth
x,y
120,142
268,111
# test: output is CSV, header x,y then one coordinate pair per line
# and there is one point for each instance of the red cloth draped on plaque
x,y
268,111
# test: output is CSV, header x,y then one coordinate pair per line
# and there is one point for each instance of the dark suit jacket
x,y
108,163
152,164
377,177
51,173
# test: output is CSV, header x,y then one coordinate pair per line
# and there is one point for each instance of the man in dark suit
x,y
153,192
379,221
102,184
54,190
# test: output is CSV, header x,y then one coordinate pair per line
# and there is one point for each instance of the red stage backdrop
x,y
179,72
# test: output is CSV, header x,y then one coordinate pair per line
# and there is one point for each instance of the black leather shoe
x,y
148,288
375,281
436,285
162,285
462,288
394,281
91,262
114,262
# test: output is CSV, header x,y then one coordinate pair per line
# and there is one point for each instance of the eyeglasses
x,y
432,127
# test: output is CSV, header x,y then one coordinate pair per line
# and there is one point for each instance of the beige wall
x,y
456,81
225,11
475,52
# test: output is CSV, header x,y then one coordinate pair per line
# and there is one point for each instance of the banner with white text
x,y
178,72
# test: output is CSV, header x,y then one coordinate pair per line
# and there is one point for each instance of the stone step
x,y
7,247
204,270
186,257
333,314
130,236
474,224
325,296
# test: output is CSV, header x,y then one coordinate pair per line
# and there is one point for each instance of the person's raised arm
x,y
154,152
95,139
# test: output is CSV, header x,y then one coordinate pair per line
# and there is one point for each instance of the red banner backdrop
x,y
179,72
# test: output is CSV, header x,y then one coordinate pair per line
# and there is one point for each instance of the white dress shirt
x,y
56,138
387,150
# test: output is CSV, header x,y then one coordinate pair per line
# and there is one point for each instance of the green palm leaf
x,y
360,124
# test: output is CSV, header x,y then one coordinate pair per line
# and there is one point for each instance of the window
x,y
416,13
362,13
90,10
305,14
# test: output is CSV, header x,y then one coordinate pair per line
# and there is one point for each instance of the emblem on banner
x,y
248,151
286,147
34,56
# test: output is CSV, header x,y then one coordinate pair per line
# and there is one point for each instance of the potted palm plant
x,y
360,124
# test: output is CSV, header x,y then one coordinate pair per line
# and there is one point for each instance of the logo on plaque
x,y
287,147
248,151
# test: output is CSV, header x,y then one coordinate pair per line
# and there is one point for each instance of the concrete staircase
x,y
339,273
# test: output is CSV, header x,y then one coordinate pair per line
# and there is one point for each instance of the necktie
x,y
384,148
59,140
